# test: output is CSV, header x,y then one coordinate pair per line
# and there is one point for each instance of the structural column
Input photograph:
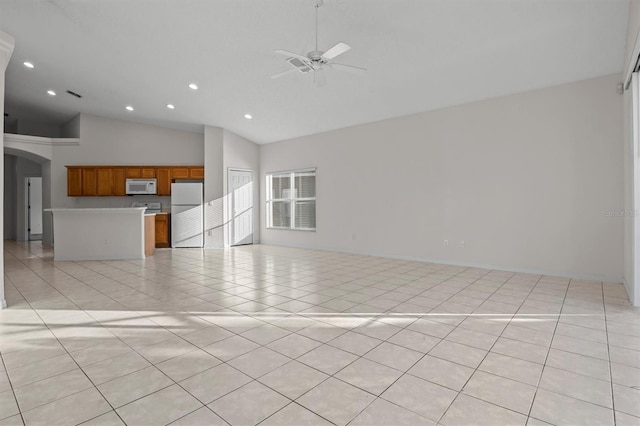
x,y
213,188
6,49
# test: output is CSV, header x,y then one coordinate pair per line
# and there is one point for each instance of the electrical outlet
x,y
353,237
462,243
446,242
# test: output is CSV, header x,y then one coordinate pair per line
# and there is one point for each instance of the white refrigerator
x,y
187,215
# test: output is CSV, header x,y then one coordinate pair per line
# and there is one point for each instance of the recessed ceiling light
x,y
28,64
248,116
193,86
51,92
129,108
171,106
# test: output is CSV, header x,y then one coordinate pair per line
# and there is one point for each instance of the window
x,y
291,200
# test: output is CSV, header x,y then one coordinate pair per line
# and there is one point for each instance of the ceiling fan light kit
x,y
316,60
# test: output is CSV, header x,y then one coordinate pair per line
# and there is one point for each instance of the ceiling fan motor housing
x,y
316,56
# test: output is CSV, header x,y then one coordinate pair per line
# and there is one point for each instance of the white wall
x,y
525,181
633,27
47,218
213,187
37,128
9,197
241,153
633,287
6,49
115,142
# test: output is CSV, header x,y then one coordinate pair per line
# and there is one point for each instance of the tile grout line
x,y
12,390
78,365
544,366
606,330
342,285
489,350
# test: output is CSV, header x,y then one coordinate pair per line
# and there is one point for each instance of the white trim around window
x,y
291,200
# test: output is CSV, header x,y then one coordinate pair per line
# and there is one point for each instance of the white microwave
x,y
141,186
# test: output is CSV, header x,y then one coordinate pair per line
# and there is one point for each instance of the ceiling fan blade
x,y
336,50
291,55
283,73
348,68
319,78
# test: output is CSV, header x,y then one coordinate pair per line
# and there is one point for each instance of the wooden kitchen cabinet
x,y
163,174
163,234
134,172
196,172
104,181
180,173
74,181
119,177
148,172
89,181
149,236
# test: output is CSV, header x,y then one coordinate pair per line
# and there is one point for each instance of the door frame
x,y
27,208
230,202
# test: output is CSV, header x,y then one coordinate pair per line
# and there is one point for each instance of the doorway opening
x,y
33,208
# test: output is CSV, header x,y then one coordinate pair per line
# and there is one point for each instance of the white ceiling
x,y
421,55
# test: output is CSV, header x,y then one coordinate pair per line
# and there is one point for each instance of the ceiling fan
x,y
316,60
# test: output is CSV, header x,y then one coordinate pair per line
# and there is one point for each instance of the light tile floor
x,y
280,336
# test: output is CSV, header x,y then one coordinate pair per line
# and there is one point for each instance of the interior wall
x,y
116,142
530,182
241,153
37,128
47,219
9,197
633,27
10,125
631,283
213,187
7,44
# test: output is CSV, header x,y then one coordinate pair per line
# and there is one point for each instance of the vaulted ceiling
x,y
420,55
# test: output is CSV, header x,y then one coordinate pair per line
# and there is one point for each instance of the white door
x,y
34,187
240,184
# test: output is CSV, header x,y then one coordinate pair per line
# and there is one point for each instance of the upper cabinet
x,y
163,174
90,181
196,172
119,176
104,178
180,173
74,181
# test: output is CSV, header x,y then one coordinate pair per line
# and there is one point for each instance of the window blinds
x,y
291,203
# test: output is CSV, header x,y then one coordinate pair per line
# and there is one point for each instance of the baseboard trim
x,y
3,304
575,276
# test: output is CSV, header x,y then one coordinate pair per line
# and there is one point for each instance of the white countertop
x,y
96,210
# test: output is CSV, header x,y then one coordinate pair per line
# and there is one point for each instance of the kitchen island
x,y
98,234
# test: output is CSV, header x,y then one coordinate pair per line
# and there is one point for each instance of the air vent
x,y
74,94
